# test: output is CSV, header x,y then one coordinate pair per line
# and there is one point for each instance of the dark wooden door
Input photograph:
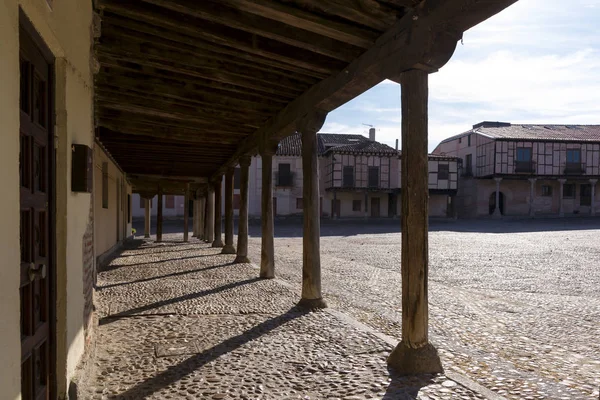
x,y
35,172
375,207
335,208
274,205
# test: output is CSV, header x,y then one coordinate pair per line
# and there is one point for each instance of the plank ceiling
x,y
183,82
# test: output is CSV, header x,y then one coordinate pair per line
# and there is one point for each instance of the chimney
x,y
372,134
396,144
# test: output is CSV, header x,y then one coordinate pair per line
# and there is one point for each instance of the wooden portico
x,y
186,90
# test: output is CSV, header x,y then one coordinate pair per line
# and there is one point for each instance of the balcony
x,y
574,168
525,167
285,179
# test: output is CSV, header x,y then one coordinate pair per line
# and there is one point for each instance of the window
x,y
236,178
104,185
546,191
170,201
573,156
443,171
523,154
469,140
284,177
348,179
459,140
469,165
299,203
373,177
569,191
356,205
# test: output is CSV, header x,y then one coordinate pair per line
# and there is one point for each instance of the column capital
x,y
312,122
245,161
532,179
562,181
229,171
217,180
498,180
268,147
593,181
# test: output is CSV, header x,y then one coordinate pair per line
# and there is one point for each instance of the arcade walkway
x,y
180,321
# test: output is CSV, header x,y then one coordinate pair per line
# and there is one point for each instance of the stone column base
x,y
217,243
228,249
242,260
408,361
146,236
312,304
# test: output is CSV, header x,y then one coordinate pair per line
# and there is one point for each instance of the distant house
x,y
526,169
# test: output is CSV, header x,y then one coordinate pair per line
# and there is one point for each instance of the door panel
x,y
375,207
34,171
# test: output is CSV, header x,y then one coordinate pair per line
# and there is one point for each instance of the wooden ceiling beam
x,y
425,40
118,92
369,13
168,38
209,32
150,75
298,18
149,54
214,11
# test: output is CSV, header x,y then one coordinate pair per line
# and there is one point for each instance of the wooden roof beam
x,y
305,20
246,43
258,25
423,38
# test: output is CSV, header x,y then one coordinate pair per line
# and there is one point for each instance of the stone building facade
x,y
526,170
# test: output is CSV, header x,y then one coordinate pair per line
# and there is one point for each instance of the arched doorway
x,y
493,203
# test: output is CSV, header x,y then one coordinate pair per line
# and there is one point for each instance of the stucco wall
x,y
66,30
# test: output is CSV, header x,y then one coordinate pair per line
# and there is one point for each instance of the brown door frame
x,y
27,29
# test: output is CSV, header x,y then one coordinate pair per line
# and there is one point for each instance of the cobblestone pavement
x,y
180,321
514,305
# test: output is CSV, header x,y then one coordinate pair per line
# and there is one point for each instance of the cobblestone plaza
x,y
514,307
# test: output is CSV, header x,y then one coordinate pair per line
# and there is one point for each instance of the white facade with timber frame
x,y
527,170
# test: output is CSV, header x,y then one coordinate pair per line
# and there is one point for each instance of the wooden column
x,y
593,199
147,216
186,212
312,296
195,205
201,217
242,244
209,221
267,250
159,216
497,211
333,211
414,354
561,209
218,215
532,197
228,248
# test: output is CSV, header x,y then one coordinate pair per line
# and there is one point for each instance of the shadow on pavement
x,y
176,372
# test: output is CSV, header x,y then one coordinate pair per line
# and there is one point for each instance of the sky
x,y
537,61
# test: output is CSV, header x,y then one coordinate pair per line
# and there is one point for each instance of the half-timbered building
x,y
527,170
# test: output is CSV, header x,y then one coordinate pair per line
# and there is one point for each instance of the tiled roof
x,y
576,133
544,132
436,157
292,145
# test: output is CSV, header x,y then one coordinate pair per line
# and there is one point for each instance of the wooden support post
x,y
201,217
209,231
186,212
228,248
561,209
497,210
593,199
267,251
414,354
312,296
218,216
242,244
147,216
159,216
532,197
